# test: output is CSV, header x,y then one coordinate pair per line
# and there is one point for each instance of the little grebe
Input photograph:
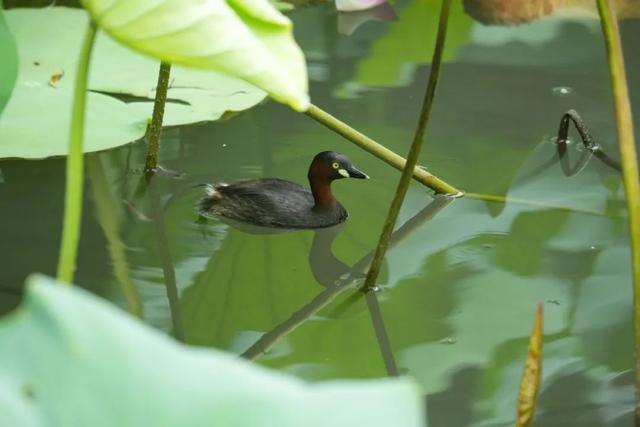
x,y
277,203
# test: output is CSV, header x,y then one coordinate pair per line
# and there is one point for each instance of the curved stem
x,y
563,130
587,141
629,163
75,165
412,158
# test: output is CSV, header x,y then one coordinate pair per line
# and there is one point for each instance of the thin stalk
x,y
75,165
380,151
155,128
628,160
412,158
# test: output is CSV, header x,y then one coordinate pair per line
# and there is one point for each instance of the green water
x,y
458,290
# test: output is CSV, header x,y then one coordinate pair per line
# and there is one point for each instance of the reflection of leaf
x,y
67,357
248,39
9,63
530,384
216,307
604,309
557,40
534,228
35,123
411,40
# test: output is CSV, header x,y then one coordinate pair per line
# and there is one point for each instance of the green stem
x,y
628,160
155,128
412,158
380,151
75,168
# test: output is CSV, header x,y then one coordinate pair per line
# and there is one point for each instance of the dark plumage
x,y
277,203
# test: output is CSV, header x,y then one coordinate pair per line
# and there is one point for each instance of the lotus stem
x,y
75,165
155,127
380,151
629,164
414,152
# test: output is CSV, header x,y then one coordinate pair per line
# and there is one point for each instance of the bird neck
x,y
321,190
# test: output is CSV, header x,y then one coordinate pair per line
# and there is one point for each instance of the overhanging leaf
x,y
67,359
248,39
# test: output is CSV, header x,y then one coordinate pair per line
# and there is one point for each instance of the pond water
x,y
459,288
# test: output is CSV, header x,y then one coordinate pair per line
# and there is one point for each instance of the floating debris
x,y
563,90
55,78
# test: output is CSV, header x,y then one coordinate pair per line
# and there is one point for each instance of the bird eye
x,y
335,165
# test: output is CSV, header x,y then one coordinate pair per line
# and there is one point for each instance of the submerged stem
x,y
75,165
166,260
412,158
628,159
155,128
106,207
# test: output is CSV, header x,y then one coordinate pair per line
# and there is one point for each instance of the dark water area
x,y
459,287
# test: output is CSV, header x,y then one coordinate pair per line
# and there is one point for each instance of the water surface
x,y
458,290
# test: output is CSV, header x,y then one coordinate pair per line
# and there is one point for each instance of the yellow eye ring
x,y
335,165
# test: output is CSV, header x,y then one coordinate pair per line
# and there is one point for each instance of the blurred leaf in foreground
x,y
69,359
248,39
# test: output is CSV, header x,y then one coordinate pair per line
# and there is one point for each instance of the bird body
x,y
277,203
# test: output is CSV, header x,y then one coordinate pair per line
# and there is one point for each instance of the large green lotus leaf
x,y
193,95
68,359
36,120
35,123
248,39
9,64
409,41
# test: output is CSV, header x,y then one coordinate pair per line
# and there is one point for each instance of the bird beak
x,y
355,173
